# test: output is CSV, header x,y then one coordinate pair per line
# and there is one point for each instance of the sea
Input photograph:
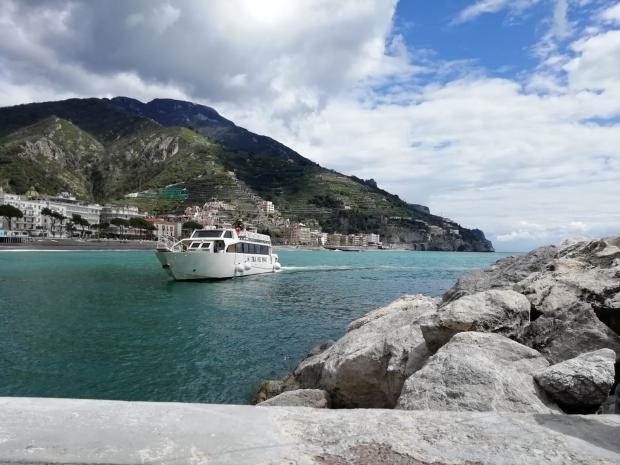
x,y
113,325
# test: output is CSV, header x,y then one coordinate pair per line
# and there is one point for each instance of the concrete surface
x,y
34,430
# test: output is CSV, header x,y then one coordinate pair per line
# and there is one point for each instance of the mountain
x,y
172,154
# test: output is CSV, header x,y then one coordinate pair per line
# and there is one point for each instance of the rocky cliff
x,y
537,333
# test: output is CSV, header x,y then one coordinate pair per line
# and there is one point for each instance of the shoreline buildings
x,y
35,223
215,213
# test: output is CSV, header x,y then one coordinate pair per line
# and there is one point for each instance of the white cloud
x,y
611,14
528,160
481,7
596,63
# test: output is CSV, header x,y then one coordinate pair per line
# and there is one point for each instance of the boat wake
x,y
307,269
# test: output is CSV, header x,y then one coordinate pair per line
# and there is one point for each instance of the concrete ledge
x,y
34,430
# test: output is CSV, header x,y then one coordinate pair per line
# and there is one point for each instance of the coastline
x,y
111,244
463,384
501,316
72,244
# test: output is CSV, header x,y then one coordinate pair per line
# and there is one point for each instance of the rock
x,y
581,384
369,364
273,387
499,311
478,372
316,398
404,303
608,406
503,274
574,291
568,281
568,333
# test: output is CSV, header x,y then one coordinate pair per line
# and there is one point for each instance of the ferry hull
x,y
184,266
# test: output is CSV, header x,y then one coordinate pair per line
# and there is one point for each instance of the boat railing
x,y
168,243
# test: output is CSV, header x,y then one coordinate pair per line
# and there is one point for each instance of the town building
x,y
37,224
89,211
124,212
335,239
318,238
164,228
373,239
266,206
297,234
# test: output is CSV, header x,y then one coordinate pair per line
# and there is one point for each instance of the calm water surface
x,y
112,325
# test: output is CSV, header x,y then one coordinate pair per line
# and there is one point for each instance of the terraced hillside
x,y
103,149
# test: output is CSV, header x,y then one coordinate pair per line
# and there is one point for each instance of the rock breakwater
x,y
537,333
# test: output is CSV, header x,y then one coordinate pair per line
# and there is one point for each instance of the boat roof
x,y
236,234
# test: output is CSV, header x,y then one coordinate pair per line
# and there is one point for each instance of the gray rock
x,y
574,291
570,332
608,406
36,431
580,384
404,303
569,281
316,398
502,275
478,372
369,364
499,311
273,387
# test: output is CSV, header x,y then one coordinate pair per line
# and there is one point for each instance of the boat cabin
x,y
226,241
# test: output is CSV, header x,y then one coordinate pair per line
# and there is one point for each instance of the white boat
x,y
217,254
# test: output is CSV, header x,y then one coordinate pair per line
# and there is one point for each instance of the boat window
x,y
206,245
228,234
231,248
207,233
195,245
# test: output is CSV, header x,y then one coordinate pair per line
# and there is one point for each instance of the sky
x,y
500,114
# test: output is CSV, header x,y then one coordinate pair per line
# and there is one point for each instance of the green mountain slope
x,y
102,149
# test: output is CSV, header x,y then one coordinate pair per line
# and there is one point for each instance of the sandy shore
x,y
72,244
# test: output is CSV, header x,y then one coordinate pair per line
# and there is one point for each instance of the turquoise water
x,y
112,325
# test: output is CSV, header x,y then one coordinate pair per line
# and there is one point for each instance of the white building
x,y
318,237
37,224
91,212
266,206
373,238
126,212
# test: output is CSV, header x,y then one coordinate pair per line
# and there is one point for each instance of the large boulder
x,y
498,311
315,398
574,330
581,384
478,372
369,364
